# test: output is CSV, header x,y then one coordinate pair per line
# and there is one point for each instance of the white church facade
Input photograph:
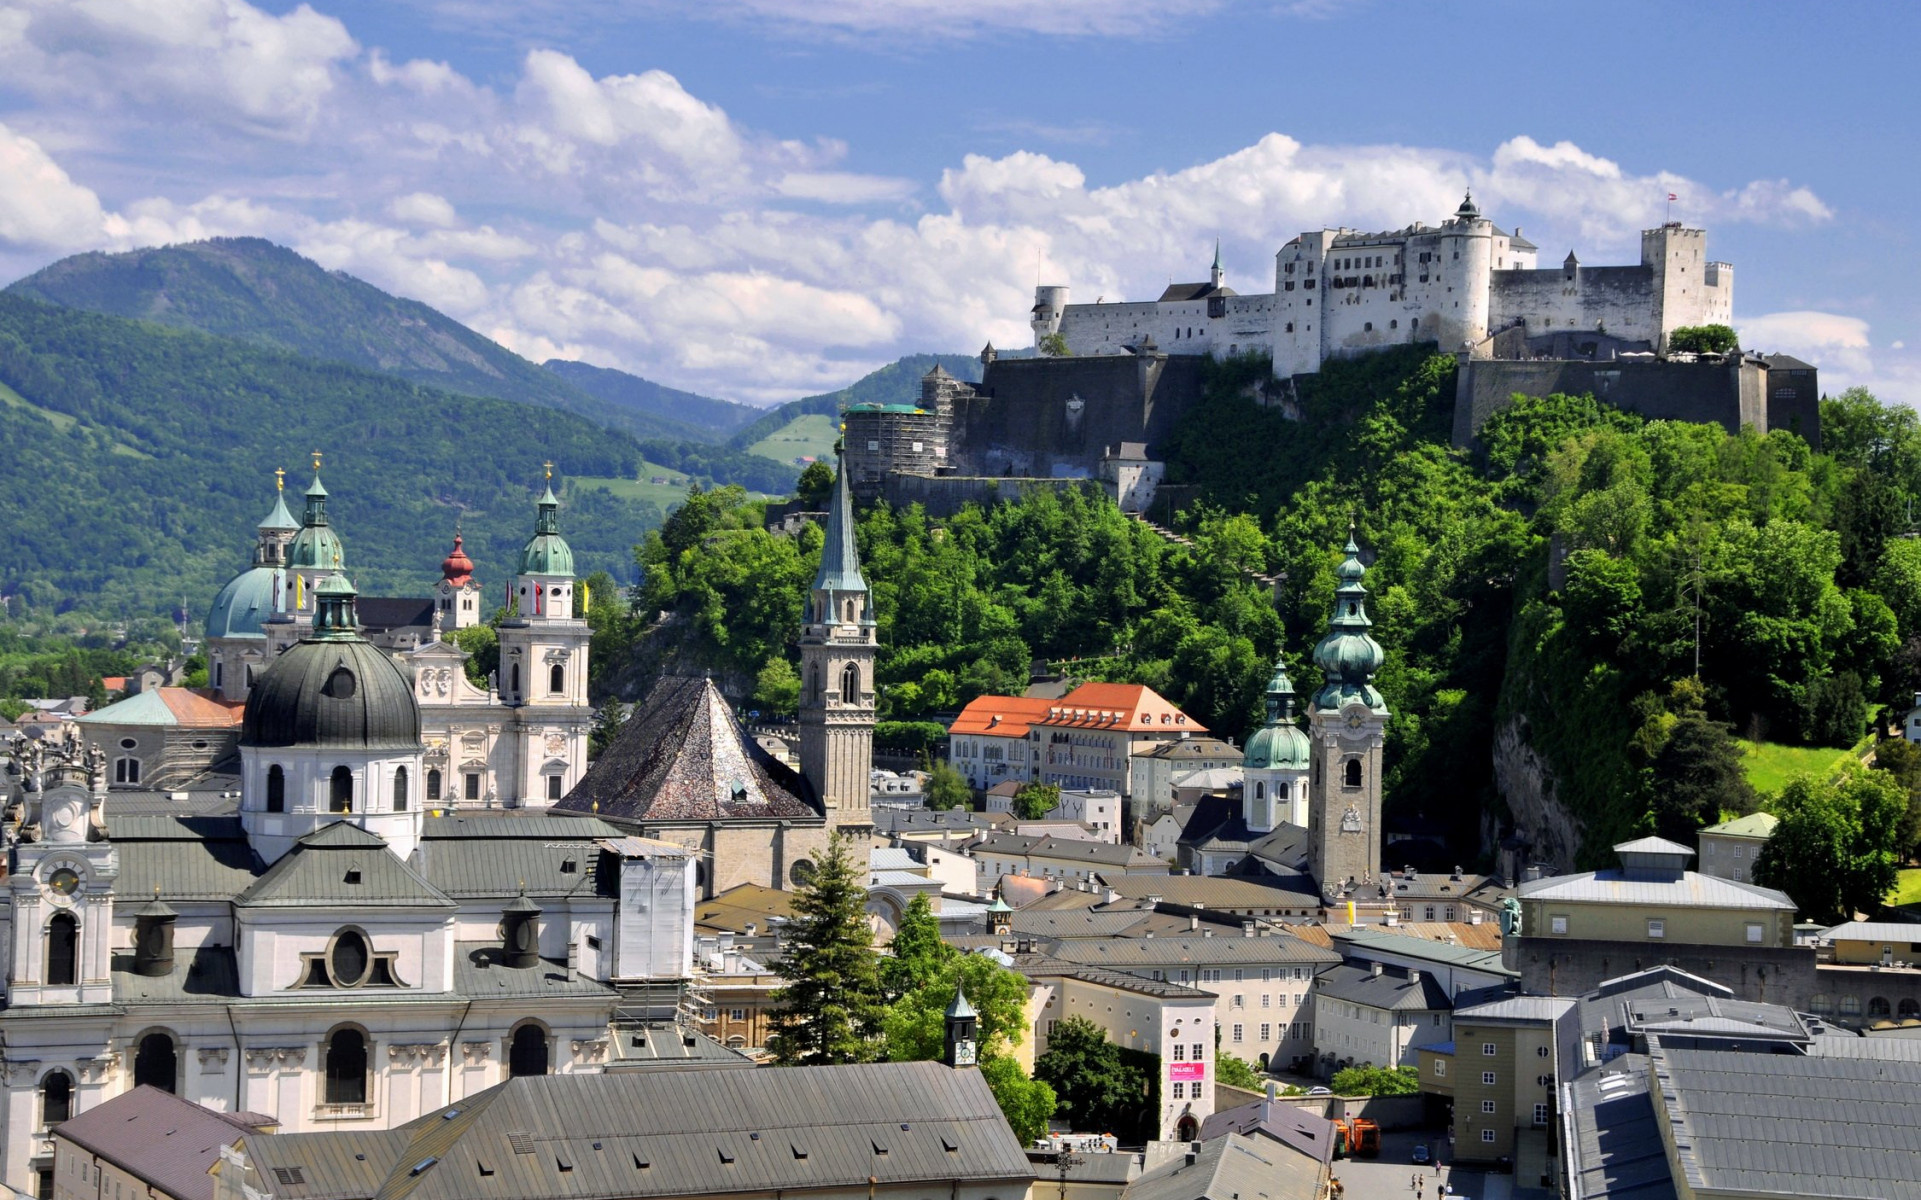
x,y
1467,285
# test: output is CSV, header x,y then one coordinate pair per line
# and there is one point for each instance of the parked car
x,y
1319,1091
1420,1153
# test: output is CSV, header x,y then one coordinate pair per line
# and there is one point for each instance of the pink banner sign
x,y
1187,1070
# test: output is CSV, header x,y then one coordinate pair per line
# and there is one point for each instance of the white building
x,y
332,955
520,741
1729,850
1341,292
1373,1015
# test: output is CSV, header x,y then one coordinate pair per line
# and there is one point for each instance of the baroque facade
x,y
520,741
334,952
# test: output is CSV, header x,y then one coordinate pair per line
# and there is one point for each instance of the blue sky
x,y
760,199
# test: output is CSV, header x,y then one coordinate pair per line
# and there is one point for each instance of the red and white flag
x,y
1672,197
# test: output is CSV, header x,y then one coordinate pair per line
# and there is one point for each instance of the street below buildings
x,y
1393,1174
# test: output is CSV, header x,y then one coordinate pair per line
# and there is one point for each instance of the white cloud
x,y
215,59
1841,346
423,208
840,187
39,204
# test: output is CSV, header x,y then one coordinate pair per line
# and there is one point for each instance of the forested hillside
x,y
256,291
1574,686
139,459
704,417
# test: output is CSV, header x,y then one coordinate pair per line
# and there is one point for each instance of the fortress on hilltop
x,y
1467,285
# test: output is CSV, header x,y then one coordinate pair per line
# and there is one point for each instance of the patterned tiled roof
x,y
682,757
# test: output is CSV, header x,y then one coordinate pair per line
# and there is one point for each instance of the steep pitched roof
x,y
682,757
160,1138
342,865
839,557
1310,1133
1230,1168
1000,716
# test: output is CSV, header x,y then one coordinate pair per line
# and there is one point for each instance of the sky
x,y
762,199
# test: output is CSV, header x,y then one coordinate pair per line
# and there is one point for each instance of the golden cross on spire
x,y
550,471
316,462
280,479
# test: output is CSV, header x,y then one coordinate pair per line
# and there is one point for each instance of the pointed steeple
x,y
547,553
1347,655
1215,274
840,557
279,519
316,547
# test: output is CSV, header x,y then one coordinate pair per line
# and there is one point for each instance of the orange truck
x,y
1356,1137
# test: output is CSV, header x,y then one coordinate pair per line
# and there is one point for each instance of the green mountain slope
x,y
251,289
896,383
139,459
704,417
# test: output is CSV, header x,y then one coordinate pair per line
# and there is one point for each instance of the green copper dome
x,y
316,547
242,605
279,520
1278,745
1347,655
547,553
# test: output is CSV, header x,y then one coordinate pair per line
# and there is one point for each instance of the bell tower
x,y
543,667
838,644
1347,725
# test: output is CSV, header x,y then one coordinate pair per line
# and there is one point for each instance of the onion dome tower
x,y
1274,767
457,595
331,733
543,664
839,640
236,635
1347,727
314,554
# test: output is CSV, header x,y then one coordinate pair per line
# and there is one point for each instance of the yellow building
x,y
1653,898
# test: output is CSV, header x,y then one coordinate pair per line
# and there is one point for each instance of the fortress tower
x,y
838,644
1347,725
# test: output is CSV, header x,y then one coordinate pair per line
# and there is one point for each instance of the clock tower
x,y
1347,725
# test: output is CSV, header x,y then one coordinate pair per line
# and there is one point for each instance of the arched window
x,y
1909,1009
346,1067
63,950
513,678
276,789
340,791
1260,791
56,1098
217,664
528,1053
126,770
557,679
433,784
157,1063
850,685
1352,773
400,789
1878,1006
853,612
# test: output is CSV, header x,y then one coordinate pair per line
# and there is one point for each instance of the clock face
x,y
63,881
1354,720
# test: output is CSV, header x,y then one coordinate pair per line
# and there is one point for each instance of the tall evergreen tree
x,y
830,1010
919,954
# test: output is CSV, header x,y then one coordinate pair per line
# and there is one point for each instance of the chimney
x,y
1374,969
726,941
1414,978
520,932
153,938
1473,916
1193,921
750,929
573,959
1270,1090
1247,929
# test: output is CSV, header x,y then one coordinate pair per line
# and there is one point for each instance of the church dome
x,y
457,569
242,605
333,689
1277,747
547,553
316,546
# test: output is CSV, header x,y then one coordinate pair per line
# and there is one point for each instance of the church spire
x,y
1215,274
840,556
1347,655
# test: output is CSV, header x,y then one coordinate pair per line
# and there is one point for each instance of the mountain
x,y
707,417
896,383
139,459
256,291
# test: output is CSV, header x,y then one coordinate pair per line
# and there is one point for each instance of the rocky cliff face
x,y
1527,784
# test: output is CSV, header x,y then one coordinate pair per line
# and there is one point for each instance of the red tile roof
x,y
1000,716
1120,706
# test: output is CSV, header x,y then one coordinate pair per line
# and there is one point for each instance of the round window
x,y
128,743
64,881
200,745
348,960
802,873
340,684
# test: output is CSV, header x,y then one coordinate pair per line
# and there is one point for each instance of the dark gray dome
x,y
332,692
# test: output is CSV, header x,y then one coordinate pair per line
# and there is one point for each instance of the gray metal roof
x,y
1692,890
1746,1123
1308,1132
472,858
1230,1168
1041,966
160,1138
1391,990
1614,1145
1129,954
1894,932
185,858
839,556
1066,850
1447,953
649,1045
1528,1009
341,864
480,972
1653,845
670,1133
1216,891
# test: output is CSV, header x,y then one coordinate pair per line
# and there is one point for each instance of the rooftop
x,y
1755,825
1230,1168
1691,890
167,706
1390,989
1000,716
161,1138
1616,1151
